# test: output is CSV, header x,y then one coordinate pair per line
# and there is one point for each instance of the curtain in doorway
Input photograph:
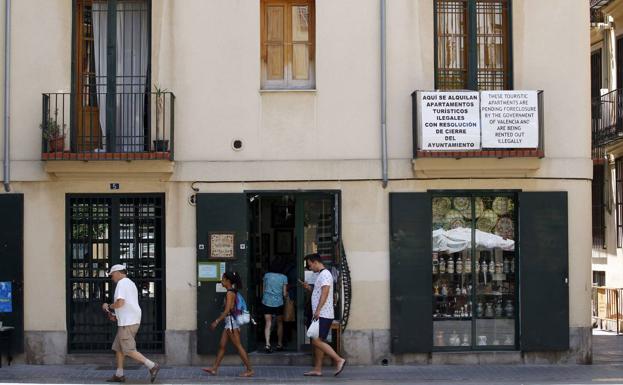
x,y
132,62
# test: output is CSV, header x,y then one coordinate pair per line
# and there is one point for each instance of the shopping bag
x,y
288,311
314,329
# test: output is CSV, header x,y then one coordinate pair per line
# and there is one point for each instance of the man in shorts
x,y
322,310
128,314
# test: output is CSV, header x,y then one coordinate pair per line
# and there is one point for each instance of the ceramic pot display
x,y
473,310
479,310
498,309
509,309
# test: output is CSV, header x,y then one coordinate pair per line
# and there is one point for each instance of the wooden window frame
x,y
471,67
288,82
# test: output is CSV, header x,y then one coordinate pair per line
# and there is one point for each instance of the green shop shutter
x,y
544,271
219,213
411,272
11,266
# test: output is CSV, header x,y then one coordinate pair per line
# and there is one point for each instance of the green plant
x,y
51,129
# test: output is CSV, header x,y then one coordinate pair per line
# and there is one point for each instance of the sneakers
x,y
116,378
153,372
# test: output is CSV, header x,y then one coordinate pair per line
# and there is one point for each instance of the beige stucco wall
x,y
207,53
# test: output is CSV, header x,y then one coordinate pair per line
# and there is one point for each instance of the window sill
x,y
287,90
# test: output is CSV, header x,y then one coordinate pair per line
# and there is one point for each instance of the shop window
x,y
287,39
619,200
473,44
474,271
598,203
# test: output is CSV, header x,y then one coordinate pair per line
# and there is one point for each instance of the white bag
x,y
314,329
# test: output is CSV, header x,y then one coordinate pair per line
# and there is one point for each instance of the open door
x,y
317,226
90,86
222,245
11,267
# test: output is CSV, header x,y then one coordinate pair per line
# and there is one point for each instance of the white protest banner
x,y
510,119
449,121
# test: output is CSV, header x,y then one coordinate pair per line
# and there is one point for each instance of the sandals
x,y
279,348
268,349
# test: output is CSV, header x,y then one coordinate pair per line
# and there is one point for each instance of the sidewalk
x,y
490,374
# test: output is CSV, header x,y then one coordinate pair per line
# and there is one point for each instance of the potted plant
x,y
54,133
160,144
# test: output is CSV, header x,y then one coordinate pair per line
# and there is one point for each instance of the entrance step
x,y
281,358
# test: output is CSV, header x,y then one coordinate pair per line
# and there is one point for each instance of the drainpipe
x,y
7,83
384,94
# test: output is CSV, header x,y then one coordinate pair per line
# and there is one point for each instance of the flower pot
x,y
56,144
161,145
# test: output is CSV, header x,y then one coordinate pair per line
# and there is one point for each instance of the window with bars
x,y
618,164
598,203
473,44
103,231
287,44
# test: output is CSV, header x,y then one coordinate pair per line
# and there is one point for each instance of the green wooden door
x,y
544,271
11,266
218,216
410,272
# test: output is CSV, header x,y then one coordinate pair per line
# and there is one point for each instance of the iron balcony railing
x,y
100,126
607,121
607,304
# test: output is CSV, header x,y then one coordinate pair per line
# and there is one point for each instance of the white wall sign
x,y
449,121
510,119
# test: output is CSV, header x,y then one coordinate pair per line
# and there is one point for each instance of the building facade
x,y
189,138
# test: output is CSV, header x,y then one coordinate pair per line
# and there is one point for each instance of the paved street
x,y
607,369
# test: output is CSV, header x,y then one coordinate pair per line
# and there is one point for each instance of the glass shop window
x,y
474,272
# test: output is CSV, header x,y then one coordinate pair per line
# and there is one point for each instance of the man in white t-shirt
x,y
322,310
128,315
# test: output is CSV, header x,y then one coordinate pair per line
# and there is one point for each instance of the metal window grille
x,y
102,231
473,44
598,203
619,200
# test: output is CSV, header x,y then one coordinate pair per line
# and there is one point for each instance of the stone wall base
x,y
361,347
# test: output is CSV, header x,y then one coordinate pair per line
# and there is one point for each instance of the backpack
x,y
241,312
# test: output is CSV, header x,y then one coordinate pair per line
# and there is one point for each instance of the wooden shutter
x,y
287,43
88,135
411,272
544,260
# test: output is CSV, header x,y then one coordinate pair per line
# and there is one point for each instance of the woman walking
x,y
275,290
232,282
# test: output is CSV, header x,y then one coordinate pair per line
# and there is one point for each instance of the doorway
x,y
284,228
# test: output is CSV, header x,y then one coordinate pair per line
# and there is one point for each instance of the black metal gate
x,y
103,230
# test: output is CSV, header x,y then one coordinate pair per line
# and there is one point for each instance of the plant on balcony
x,y
54,133
160,144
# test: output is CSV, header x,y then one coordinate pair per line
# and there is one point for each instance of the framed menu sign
x,y
221,245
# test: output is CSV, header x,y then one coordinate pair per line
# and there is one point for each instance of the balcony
x,y
606,122
108,127
472,124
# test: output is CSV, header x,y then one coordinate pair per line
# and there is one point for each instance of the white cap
x,y
116,268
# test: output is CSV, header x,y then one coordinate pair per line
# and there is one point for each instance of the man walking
x,y
322,310
128,314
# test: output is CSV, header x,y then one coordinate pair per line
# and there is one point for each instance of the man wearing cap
x,y
128,314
